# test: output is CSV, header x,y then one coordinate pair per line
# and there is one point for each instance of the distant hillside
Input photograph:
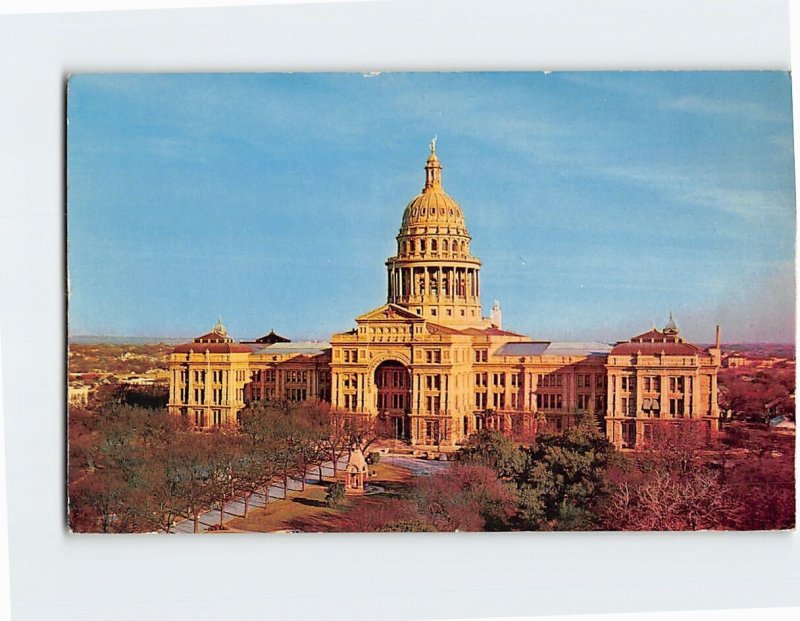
x,y
90,339
778,350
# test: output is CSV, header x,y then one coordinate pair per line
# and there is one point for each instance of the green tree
x,y
495,450
563,481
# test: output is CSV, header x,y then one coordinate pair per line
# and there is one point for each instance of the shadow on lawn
x,y
310,502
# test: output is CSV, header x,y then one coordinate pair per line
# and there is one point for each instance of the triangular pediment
x,y
389,312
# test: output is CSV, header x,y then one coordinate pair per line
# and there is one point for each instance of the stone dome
x,y
433,207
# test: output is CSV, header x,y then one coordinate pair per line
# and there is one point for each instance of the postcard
x,y
430,302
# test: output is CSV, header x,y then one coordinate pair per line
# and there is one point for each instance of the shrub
x,y
373,458
335,495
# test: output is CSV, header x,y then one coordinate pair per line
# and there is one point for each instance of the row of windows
x,y
296,394
653,383
296,376
677,407
395,401
411,245
392,379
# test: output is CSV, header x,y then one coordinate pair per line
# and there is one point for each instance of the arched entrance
x,y
393,381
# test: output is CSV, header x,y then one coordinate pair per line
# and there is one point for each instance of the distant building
x,y
78,395
432,366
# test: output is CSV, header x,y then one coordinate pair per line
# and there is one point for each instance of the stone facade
x,y
437,370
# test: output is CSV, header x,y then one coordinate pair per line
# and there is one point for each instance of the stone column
x,y
664,396
189,384
639,386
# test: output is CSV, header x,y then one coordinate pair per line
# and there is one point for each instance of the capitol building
x,y
436,369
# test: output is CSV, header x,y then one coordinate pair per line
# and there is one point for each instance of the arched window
x,y
413,247
444,245
433,245
422,245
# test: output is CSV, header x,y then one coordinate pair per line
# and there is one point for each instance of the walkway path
x,y
235,508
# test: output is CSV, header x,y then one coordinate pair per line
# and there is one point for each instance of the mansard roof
x,y
212,348
215,336
649,348
272,337
655,336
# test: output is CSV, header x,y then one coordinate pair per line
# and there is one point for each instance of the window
x,y
499,379
499,400
628,405
434,403
351,355
600,381
583,402
217,418
480,400
433,356
481,355
481,379
676,407
433,382
516,380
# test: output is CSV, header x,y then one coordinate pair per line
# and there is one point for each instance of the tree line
x,y
137,469
684,479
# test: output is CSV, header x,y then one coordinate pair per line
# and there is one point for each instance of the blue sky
x,y
598,202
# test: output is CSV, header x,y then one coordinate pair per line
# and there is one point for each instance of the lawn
x,y
306,511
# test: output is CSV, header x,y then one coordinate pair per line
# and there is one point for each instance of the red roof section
x,y
670,349
212,348
655,335
213,337
435,328
492,331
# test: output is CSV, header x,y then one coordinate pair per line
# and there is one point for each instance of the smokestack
x,y
719,336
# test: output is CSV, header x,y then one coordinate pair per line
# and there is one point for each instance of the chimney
x,y
719,337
